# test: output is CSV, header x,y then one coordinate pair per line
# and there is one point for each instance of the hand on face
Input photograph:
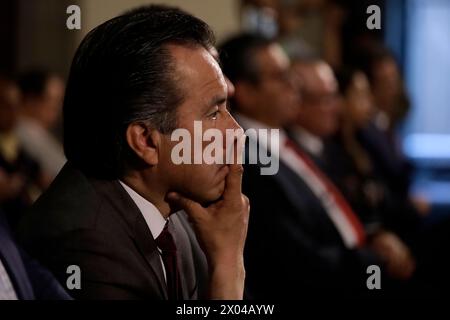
x,y
221,229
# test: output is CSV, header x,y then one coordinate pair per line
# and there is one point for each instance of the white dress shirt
x,y
41,145
310,142
6,288
154,219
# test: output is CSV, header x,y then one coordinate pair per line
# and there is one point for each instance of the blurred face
x,y
50,104
205,100
359,101
320,108
274,99
386,84
9,99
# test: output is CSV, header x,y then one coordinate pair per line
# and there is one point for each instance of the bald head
x,y
317,77
320,109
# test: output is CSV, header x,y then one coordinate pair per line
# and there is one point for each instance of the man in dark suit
x,y
114,208
318,119
21,277
304,238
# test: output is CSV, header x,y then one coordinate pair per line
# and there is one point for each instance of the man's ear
x,y
144,141
245,94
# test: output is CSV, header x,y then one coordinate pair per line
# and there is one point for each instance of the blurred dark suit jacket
x,y
293,249
29,279
389,162
95,224
395,171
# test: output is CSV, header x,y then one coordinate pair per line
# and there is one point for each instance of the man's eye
x,y
214,115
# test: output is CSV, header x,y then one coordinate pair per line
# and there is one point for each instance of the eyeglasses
x,y
322,99
284,77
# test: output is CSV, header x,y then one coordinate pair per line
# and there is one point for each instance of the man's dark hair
x,y
123,73
345,77
237,59
237,56
32,83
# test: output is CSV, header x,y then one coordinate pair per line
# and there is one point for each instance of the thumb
x,y
192,208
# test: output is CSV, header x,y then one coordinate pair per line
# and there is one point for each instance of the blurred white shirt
x,y
39,144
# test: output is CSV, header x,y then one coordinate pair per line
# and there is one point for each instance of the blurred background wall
x,y
222,15
42,37
35,33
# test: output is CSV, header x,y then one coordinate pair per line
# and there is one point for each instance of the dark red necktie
x,y
168,248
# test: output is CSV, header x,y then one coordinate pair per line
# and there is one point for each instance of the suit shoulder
x,y
70,203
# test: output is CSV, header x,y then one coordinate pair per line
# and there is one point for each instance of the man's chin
x,y
210,197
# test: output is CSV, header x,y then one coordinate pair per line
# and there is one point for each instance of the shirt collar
x,y
307,140
154,219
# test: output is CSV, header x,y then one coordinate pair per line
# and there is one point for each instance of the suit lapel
x,y
147,247
185,259
138,229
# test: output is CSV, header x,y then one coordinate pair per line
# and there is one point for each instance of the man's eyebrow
x,y
217,100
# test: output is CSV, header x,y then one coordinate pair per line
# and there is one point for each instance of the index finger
x,y
233,182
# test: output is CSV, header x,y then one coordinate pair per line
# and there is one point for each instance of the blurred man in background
x,y
381,140
301,225
23,178
22,278
41,105
318,119
303,238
